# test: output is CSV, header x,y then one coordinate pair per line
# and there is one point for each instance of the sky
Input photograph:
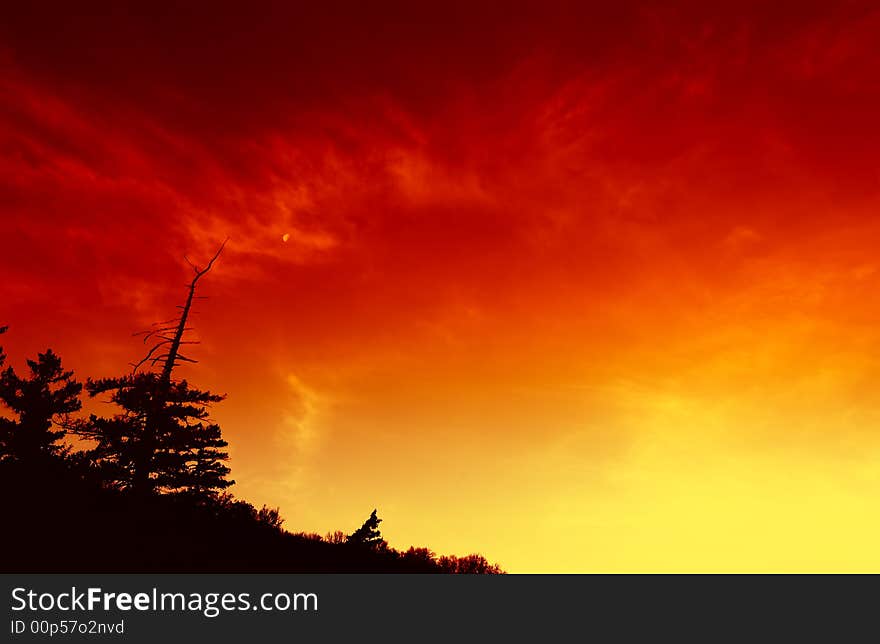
x,y
583,287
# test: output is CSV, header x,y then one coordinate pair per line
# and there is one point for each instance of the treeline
x,y
145,488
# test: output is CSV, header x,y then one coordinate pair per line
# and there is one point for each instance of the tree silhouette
x,y
47,393
368,534
162,441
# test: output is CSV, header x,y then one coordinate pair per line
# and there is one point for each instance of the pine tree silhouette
x,y
368,534
162,440
38,401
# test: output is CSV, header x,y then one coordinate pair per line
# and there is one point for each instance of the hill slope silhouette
x,y
60,518
145,490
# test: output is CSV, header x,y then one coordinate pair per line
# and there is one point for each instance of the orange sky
x,y
579,289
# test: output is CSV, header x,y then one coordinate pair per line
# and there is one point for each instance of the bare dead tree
x,y
168,335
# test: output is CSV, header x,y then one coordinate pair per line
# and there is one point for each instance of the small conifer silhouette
x,y
368,534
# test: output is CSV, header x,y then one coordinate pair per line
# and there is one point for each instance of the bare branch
x,y
154,332
214,258
147,357
172,321
169,333
158,359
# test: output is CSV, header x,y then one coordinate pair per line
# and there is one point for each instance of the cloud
x,y
302,415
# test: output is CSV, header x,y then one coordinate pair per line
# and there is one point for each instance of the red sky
x,y
580,288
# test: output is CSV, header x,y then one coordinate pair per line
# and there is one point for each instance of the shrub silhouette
x,y
469,565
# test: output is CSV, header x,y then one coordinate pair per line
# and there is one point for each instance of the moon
x,y
285,237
